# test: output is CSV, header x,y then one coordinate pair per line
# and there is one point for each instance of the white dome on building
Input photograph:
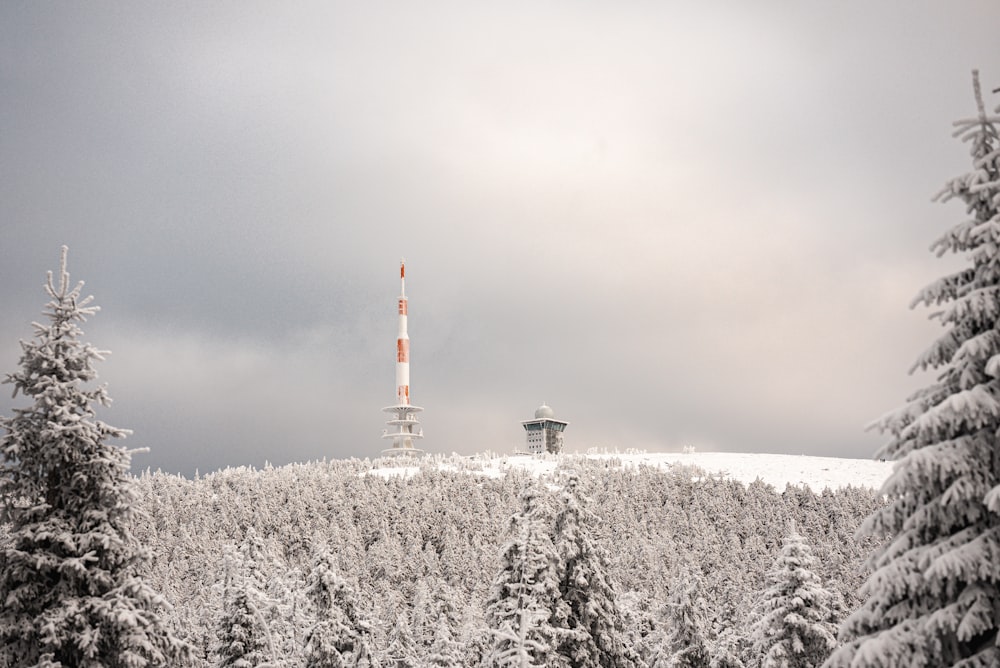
x,y
544,411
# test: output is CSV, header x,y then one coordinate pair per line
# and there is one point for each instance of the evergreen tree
x,y
589,622
69,584
264,578
445,651
475,636
242,630
794,627
340,638
729,649
684,643
932,598
402,649
437,622
525,592
290,613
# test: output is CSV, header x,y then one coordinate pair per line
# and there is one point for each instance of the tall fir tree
x,y
795,625
445,651
932,598
340,638
525,592
401,651
291,619
69,585
590,630
683,638
439,622
243,635
243,631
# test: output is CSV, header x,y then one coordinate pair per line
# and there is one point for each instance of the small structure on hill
x,y
544,433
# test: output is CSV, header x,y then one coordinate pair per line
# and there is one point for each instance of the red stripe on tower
x,y
404,428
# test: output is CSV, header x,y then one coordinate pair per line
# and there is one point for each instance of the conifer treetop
x,y
69,572
932,596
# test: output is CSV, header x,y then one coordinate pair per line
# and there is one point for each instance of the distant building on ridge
x,y
544,433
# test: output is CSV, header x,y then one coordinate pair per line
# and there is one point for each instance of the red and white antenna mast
x,y
402,344
403,428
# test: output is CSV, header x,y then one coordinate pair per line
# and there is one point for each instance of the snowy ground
x,y
777,470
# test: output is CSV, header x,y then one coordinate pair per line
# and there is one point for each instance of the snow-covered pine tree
x,y
475,636
242,630
340,638
264,580
69,587
932,598
589,624
525,592
794,625
684,637
402,648
445,651
290,620
436,621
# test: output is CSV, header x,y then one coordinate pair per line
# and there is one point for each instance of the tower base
x,y
403,429
402,452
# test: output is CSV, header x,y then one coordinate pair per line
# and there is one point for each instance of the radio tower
x,y
403,428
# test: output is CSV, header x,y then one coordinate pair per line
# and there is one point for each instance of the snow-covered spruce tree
x,y
437,622
70,594
263,579
932,598
794,625
445,651
291,608
525,592
684,635
589,625
243,637
402,648
340,638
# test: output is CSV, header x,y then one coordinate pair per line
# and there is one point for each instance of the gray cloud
x,y
674,223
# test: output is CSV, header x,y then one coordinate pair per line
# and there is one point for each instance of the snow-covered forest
x,y
422,552
580,562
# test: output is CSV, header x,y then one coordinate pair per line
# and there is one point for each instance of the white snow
x,y
777,470
393,471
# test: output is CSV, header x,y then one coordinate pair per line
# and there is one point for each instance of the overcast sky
x,y
676,223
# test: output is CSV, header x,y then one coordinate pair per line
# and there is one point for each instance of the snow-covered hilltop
x,y
817,473
778,470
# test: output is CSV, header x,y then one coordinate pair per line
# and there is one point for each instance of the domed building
x,y
544,433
